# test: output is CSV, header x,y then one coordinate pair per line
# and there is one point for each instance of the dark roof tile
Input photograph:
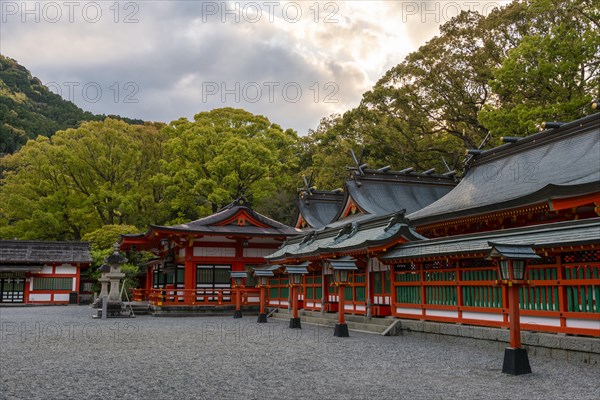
x,y
556,163
29,251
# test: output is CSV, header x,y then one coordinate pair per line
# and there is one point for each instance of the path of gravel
x,y
61,353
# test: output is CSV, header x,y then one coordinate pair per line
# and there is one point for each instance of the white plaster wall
x,y
39,297
442,313
46,269
250,252
403,310
482,316
214,252
66,269
583,323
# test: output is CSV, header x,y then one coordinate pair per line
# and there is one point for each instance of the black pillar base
x,y
262,318
295,323
341,330
516,361
237,314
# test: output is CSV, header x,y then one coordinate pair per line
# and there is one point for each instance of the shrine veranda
x,y
58,352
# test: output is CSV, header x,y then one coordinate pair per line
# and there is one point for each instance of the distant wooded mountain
x,y
28,108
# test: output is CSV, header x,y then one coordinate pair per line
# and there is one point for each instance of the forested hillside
x,y
28,108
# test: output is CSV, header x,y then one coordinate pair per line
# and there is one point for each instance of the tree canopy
x,y
109,172
224,154
80,179
501,74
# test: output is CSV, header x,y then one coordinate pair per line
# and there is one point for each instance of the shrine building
x,y
422,253
195,260
39,272
414,245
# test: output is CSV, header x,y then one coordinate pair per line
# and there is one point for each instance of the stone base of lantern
x,y
341,330
114,310
516,361
295,323
262,318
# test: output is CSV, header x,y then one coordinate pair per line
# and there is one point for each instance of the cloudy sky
x,y
292,61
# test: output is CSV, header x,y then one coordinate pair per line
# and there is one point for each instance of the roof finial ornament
x,y
308,186
359,167
241,200
449,172
471,153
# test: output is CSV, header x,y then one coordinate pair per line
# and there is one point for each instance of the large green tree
x,y
80,179
552,74
224,154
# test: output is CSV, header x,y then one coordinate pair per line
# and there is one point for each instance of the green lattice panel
x,y
440,276
377,284
584,298
480,275
386,280
538,297
407,277
309,292
482,296
408,294
441,295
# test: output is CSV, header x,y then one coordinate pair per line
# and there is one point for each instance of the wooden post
x,y
515,325
294,301
324,290
295,320
189,281
368,287
262,299
341,305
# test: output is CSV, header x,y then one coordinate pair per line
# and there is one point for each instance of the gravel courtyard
x,y
60,352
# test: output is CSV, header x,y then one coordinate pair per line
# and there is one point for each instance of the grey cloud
x,y
171,52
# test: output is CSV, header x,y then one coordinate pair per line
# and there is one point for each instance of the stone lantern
x,y
115,260
104,270
114,306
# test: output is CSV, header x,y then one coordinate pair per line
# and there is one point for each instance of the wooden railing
x,y
558,298
197,297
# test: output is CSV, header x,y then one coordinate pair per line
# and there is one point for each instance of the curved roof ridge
x,y
560,162
319,207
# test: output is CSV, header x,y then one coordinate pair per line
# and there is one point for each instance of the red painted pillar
x,y
324,291
515,325
26,286
295,301
149,284
262,299
238,299
341,305
189,276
